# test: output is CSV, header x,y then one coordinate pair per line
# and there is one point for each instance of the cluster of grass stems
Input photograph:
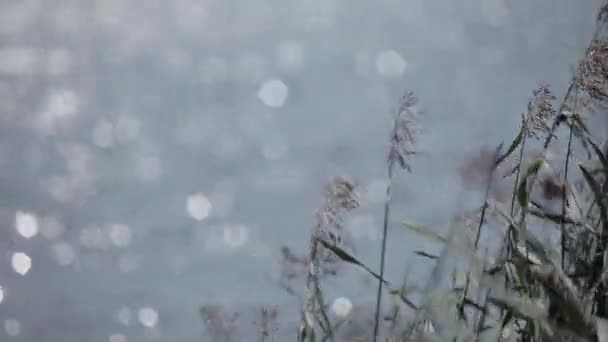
x,y
495,278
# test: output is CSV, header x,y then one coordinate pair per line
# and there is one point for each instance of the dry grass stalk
x,y
340,198
220,325
267,324
540,112
592,72
402,148
404,133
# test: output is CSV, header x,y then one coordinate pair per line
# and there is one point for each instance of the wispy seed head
x,y
405,130
592,73
540,112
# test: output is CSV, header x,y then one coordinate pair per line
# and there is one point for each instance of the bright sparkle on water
x,y
273,93
26,224
12,327
21,263
148,317
390,64
342,307
198,206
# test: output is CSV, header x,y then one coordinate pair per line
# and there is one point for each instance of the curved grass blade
x,y
523,195
346,257
519,306
578,122
532,244
559,218
555,218
425,231
518,139
597,192
426,255
599,153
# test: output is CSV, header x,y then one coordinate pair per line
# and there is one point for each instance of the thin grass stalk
x,y
423,314
482,296
518,173
387,205
314,303
480,225
313,300
533,177
401,147
564,199
506,243
485,200
483,214
506,246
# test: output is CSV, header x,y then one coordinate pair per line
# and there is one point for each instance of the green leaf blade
x,y
425,231
516,142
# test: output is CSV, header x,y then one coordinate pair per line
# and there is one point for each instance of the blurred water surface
x,y
157,154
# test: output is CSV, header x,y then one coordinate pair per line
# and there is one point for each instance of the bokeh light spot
x,y
148,317
12,327
342,307
21,262
273,93
26,224
390,64
198,206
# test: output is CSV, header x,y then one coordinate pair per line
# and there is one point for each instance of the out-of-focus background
x,y
156,155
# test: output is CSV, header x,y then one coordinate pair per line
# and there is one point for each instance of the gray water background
x,y
116,112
